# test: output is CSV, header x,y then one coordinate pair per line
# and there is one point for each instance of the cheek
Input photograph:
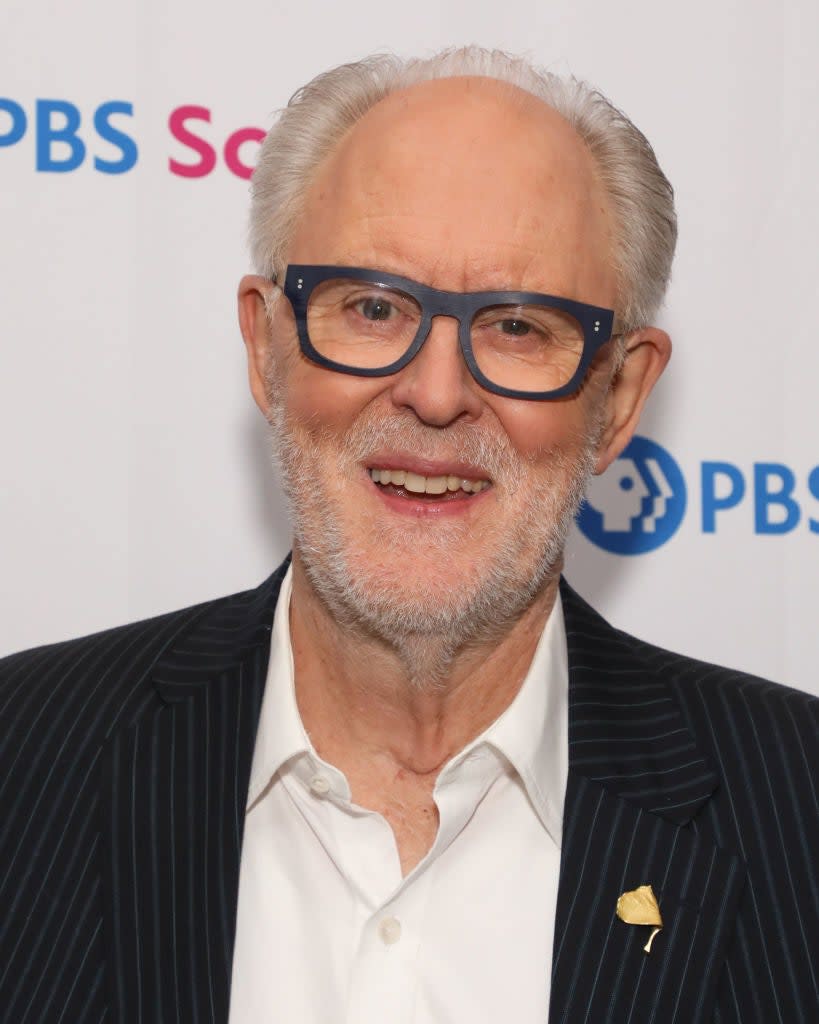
x,y
535,428
316,398
323,400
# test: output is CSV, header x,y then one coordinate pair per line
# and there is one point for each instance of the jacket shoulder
x,y
762,738
92,682
718,683
687,676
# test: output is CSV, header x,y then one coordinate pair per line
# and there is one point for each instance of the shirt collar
x,y
531,734
281,734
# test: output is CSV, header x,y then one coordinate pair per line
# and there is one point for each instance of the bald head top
x,y
635,197
465,183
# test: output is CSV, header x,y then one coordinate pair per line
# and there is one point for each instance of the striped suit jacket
x,y
124,765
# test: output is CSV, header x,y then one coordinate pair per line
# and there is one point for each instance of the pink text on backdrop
x,y
179,123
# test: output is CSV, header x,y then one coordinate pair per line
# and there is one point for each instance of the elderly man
x,y
413,777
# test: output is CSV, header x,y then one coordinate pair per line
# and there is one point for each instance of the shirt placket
x,y
384,978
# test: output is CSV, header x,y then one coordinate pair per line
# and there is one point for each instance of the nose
x,y
437,385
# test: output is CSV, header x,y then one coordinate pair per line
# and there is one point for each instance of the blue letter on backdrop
x,y
18,122
117,138
46,135
711,504
764,497
813,487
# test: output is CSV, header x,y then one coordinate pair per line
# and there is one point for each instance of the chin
x,y
388,588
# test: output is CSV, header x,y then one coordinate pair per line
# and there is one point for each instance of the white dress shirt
x,y
329,931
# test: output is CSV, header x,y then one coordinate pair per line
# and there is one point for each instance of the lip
x,y
424,508
426,467
454,507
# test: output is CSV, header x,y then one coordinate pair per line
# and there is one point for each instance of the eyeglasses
x,y
516,344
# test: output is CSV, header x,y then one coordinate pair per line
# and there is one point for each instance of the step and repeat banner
x,y
136,476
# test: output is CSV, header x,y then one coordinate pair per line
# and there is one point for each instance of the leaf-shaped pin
x,y
640,907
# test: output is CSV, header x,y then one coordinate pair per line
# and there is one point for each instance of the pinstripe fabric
x,y
601,972
174,818
124,764
57,706
703,783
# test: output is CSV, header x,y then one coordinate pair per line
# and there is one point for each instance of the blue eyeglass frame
x,y
597,323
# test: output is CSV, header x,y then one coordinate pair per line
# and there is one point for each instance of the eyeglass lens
x,y
364,325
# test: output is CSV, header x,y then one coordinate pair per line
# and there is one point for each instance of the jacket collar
x,y
636,780
226,633
626,730
172,815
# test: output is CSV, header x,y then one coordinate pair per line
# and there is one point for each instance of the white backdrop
x,y
135,476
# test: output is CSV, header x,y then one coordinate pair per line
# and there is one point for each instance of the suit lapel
x,y
635,782
174,807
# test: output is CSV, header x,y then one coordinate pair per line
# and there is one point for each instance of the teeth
x,y
417,484
436,485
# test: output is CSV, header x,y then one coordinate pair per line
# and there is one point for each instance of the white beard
x,y
450,606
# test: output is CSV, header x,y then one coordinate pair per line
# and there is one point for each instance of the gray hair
x,y
318,115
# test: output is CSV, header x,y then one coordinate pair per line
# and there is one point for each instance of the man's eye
x,y
516,327
376,309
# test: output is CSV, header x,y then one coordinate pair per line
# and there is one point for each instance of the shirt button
x,y
320,785
390,930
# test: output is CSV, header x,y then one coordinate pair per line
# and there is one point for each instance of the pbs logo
x,y
637,504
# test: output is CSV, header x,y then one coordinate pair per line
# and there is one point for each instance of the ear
x,y
647,353
255,327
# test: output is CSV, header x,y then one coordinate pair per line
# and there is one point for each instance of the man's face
x,y
462,184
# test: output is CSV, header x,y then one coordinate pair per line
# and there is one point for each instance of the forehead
x,y
465,183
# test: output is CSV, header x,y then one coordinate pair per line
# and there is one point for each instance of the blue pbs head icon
x,y
637,504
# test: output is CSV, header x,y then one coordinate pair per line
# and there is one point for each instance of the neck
x,y
405,707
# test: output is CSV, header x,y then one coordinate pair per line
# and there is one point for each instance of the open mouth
x,y
403,483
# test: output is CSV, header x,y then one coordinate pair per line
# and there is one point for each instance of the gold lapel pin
x,y
640,906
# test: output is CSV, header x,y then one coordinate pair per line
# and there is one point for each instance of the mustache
x,y
478,446
491,449
485,445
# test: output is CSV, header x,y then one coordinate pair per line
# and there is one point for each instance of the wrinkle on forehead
x,y
460,180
